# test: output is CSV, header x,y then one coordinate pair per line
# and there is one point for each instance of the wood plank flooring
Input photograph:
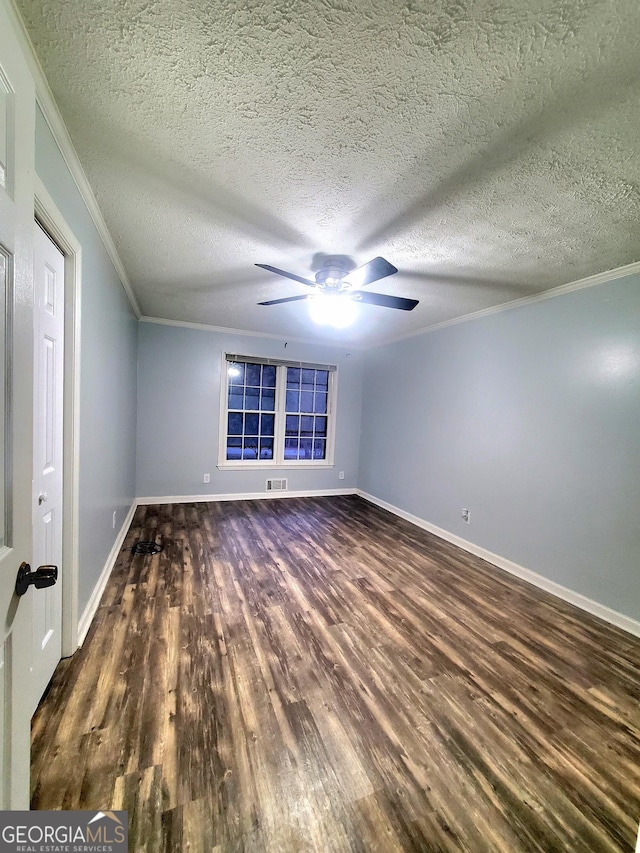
x,y
317,675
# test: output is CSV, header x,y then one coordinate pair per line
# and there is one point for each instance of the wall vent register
x,y
277,485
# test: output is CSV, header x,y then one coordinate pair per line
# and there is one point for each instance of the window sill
x,y
268,465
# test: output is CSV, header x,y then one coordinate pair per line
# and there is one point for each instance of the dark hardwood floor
x,y
317,675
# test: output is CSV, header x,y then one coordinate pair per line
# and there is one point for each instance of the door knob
x,y
43,577
42,498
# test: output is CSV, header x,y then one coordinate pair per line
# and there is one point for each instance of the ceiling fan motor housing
x,y
331,276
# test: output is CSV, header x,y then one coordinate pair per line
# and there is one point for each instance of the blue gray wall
x,y
179,376
530,418
108,353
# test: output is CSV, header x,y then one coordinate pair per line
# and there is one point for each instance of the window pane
x,y
235,370
306,449
234,448
250,448
251,424
252,399
292,426
253,374
319,448
266,448
291,448
293,401
268,376
293,377
308,378
306,426
322,379
321,426
266,424
306,401
268,400
235,398
234,423
320,403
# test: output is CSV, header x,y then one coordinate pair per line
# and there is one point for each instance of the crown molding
x,y
561,290
223,330
53,117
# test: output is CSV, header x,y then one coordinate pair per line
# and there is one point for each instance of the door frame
x,y
53,222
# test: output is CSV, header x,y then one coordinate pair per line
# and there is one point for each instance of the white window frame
x,y
278,461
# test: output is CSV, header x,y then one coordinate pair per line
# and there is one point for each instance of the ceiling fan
x,y
335,278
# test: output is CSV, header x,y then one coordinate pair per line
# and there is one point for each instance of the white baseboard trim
x,y
92,605
245,496
613,617
626,623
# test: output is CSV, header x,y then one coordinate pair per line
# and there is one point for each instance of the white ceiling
x,y
487,148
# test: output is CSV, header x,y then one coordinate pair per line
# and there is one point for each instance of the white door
x,y
48,325
17,128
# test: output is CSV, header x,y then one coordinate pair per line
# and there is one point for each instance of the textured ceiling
x,y
487,148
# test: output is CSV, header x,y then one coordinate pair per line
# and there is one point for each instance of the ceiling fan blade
x,y
287,274
286,299
372,271
385,300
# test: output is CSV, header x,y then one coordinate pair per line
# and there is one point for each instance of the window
x,y
306,406
276,413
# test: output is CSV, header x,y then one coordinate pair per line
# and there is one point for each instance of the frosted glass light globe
x,y
337,310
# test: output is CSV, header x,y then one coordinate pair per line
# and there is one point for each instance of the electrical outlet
x,y
206,478
115,513
341,475
466,516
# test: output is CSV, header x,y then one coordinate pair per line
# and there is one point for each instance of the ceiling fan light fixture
x,y
337,310
336,280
